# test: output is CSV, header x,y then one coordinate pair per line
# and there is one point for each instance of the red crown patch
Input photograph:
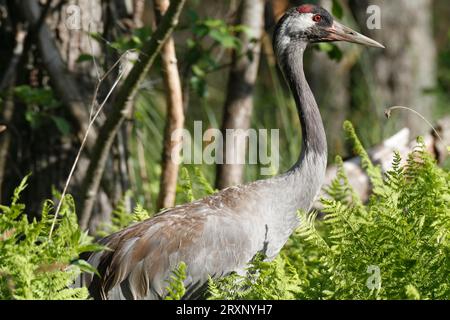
x,y
306,8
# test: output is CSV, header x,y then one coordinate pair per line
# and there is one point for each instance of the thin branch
x,y
86,135
389,111
119,110
91,46
175,116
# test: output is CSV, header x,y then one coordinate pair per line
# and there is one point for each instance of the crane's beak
x,y
339,32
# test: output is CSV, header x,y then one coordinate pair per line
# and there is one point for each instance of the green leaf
x,y
325,46
175,288
214,23
143,34
200,30
42,97
331,50
337,9
412,293
335,53
92,247
96,36
192,15
34,119
198,71
241,29
226,40
85,266
84,57
62,125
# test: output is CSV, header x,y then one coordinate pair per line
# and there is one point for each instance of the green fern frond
x,y
203,182
140,214
175,288
33,266
186,185
374,172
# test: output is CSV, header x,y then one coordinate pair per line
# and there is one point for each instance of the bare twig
x,y
175,116
388,113
93,118
94,61
119,110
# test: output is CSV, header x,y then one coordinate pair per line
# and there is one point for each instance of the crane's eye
x,y
317,18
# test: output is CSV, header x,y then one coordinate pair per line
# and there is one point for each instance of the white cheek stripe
x,y
305,21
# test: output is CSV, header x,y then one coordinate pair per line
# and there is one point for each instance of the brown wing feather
x,y
141,257
152,238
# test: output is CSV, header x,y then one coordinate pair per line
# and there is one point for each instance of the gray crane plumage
x,y
221,234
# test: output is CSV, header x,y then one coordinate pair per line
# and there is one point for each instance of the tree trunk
x,y
175,117
407,67
239,102
279,7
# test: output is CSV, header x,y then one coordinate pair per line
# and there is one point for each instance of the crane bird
x,y
222,233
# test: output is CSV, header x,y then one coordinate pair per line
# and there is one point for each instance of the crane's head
x,y
310,24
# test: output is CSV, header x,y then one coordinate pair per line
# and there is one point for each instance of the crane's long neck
x,y
304,180
313,133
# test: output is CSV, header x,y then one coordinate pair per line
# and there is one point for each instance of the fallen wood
x,y
383,155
